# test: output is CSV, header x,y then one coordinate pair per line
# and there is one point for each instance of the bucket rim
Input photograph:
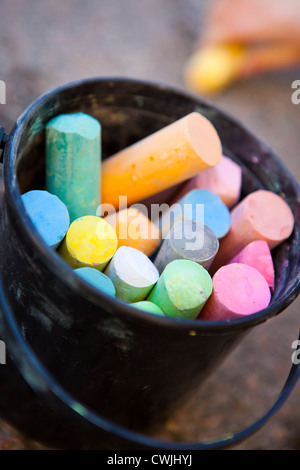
x,y
53,261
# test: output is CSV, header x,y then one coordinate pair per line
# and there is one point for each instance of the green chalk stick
x,y
148,307
182,289
97,279
73,162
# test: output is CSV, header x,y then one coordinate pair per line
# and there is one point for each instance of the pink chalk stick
x,y
258,255
262,215
238,290
225,180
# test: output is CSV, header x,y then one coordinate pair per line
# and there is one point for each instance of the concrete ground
x,y
48,43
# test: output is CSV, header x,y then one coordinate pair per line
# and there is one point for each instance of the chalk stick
x,y
73,162
89,242
262,215
225,180
163,159
148,307
48,214
258,255
182,289
97,279
132,273
238,290
135,229
190,240
200,205
212,68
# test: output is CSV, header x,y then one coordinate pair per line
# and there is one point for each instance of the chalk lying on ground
x,y
262,215
238,290
89,242
147,306
132,273
134,229
165,158
97,279
225,180
212,68
190,240
73,162
48,214
258,255
182,289
201,205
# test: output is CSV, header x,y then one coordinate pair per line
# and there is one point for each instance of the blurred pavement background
x,y
48,43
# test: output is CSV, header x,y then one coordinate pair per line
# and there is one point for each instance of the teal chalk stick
x,y
73,162
97,279
182,289
48,214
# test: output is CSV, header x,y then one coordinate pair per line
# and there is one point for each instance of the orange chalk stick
x,y
225,180
262,215
136,230
169,156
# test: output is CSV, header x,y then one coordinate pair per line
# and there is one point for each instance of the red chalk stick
x,y
262,215
238,290
258,255
225,180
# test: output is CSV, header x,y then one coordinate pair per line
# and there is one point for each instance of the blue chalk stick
x,y
49,215
97,279
216,213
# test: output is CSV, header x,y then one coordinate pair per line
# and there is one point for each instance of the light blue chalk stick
x,y
206,207
97,279
48,214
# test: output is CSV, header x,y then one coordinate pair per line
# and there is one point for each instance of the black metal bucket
x,y
87,371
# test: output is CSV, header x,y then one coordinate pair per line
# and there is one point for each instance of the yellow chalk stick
x,y
171,155
135,229
89,242
210,69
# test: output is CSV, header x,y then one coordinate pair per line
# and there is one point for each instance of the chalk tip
x,y
48,214
204,138
270,215
76,123
216,214
239,290
134,266
210,69
90,242
97,279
